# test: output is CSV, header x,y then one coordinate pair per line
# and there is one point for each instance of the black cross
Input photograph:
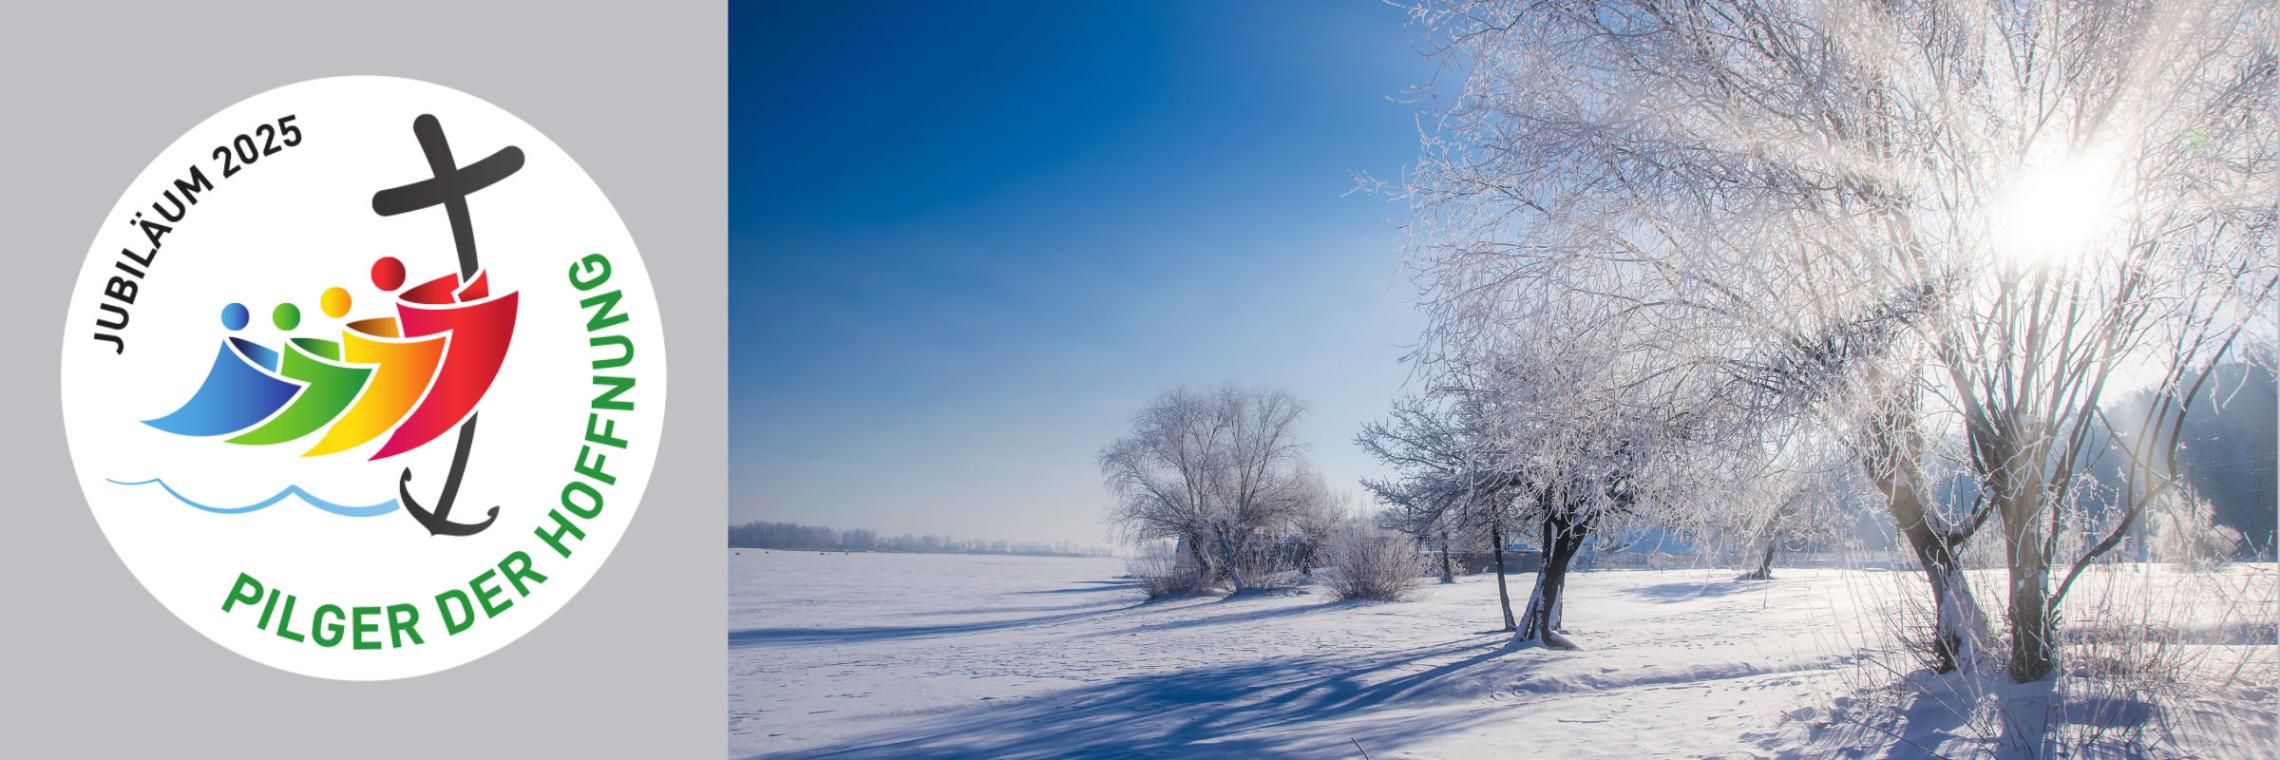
x,y
449,188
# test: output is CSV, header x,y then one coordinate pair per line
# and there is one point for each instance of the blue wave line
x,y
343,510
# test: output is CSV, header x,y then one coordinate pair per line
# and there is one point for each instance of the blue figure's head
x,y
235,317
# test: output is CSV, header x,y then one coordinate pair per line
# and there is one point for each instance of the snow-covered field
x,y
936,656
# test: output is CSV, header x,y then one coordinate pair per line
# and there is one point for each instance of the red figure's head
x,y
388,274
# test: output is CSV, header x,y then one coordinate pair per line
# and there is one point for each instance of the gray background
x,y
634,666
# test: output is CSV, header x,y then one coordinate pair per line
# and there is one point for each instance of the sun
x,y
2054,213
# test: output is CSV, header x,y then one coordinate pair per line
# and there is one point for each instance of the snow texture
x,y
940,656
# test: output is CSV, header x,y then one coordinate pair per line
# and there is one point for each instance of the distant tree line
x,y
785,535
2227,451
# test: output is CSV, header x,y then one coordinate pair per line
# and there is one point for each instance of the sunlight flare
x,y
2054,212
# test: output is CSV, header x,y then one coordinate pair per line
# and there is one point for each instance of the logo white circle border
x,y
280,230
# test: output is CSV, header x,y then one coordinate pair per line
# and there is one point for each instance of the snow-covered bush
x,y
1158,571
2185,531
1264,564
1368,562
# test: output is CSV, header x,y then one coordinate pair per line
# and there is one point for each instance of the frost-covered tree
x,y
1221,472
1553,411
1607,464
2047,199
1451,477
1316,523
1775,497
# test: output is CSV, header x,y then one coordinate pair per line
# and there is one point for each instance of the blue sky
x,y
969,240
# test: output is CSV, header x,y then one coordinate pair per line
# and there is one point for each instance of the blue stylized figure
x,y
241,389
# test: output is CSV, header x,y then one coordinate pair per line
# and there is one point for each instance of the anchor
x,y
449,188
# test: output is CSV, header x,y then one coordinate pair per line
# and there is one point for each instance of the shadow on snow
x,y
749,637
1231,711
1088,588
1673,591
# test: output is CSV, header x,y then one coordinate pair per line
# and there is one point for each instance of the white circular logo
x,y
363,378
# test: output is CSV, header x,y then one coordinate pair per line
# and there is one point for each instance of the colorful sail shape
x,y
401,370
241,390
438,291
479,330
476,289
330,386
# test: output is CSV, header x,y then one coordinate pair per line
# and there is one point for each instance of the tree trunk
x,y
1203,573
1562,541
2029,567
1234,568
1956,622
1446,575
1503,596
1894,445
1764,571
